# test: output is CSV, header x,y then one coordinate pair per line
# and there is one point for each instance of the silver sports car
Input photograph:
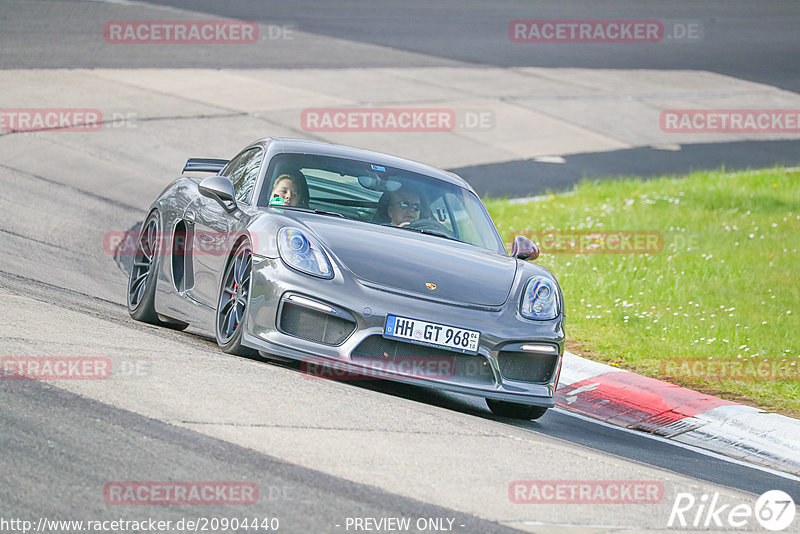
x,y
352,260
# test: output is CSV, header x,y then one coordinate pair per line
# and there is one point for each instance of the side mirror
x,y
220,189
524,249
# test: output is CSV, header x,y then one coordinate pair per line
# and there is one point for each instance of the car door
x,y
214,226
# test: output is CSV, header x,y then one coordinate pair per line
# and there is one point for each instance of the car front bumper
x,y
296,316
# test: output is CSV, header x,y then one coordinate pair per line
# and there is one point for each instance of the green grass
x,y
725,287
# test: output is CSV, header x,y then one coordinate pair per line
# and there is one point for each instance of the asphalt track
x,y
740,39
319,451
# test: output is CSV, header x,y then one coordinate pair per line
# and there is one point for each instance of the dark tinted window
x,y
243,171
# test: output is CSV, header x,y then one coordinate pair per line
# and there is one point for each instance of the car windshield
x,y
377,194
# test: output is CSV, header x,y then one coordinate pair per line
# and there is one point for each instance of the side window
x,y
243,171
464,227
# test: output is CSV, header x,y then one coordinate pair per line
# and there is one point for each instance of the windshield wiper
x,y
431,232
311,210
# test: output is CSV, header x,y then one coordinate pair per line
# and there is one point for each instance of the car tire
x,y
144,273
234,297
515,410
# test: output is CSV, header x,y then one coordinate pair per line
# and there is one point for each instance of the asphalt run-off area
x,y
103,102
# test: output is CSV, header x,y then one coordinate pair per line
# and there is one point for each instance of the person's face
x,y
287,190
403,208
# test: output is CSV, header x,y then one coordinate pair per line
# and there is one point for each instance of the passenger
x,y
291,189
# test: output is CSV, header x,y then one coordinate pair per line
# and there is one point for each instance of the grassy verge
x,y
711,303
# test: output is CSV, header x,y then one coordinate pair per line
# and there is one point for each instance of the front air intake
x,y
314,325
526,366
420,361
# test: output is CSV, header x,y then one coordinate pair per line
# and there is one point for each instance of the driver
x,y
403,207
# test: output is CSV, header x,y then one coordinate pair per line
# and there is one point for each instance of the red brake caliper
x,y
235,323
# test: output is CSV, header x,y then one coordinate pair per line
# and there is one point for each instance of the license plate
x,y
432,334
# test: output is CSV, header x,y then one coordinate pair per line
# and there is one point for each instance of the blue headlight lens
x,y
303,253
298,244
540,299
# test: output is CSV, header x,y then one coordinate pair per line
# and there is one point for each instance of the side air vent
x,y
182,274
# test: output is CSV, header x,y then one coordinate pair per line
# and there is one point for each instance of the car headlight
x,y
303,252
540,299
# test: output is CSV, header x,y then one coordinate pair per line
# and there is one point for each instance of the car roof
x,y
282,144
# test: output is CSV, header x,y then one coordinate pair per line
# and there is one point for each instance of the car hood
x,y
408,261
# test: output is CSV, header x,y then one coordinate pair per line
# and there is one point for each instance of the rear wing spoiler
x,y
204,165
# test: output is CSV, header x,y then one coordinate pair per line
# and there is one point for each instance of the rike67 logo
x,y
774,511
